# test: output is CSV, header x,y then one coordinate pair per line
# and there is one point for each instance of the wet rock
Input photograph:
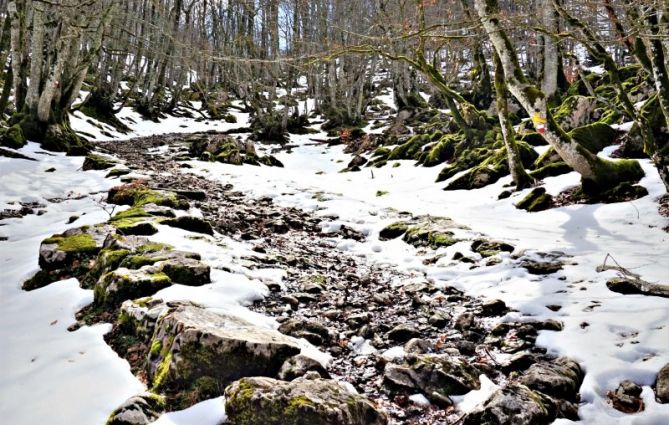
x,y
141,409
98,162
403,333
300,365
514,405
560,379
310,330
190,223
662,385
437,376
192,345
266,401
627,397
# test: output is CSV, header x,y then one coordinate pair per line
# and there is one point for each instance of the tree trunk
x,y
597,174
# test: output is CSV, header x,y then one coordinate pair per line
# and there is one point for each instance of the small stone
x,y
300,365
403,333
493,308
627,397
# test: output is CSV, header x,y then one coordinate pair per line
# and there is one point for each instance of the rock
x,y
514,405
403,333
190,223
310,330
98,162
490,248
627,398
465,322
265,401
662,385
476,178
437,376
192,345
124,284
493,308
314,284
357,161
541,267
186,271
536,200
560,379
439,319
137,228
393,231
12,137
78,245
631,286
141,409
298,366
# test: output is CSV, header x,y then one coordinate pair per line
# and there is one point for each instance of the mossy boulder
x,y
124,284
12,137
476,178
442,151
98,162
576,111
536,200
594,137
411,149
197,343
489,248
551,170
429,235
266,401
560,379
117,172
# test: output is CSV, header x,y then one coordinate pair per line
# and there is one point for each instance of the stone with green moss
x,y
514,403
117,172
411,149
266,401
488,248
551,170
594,137
536,200
124,284
196,343
393,231
139,195
74,245
12,137
98,162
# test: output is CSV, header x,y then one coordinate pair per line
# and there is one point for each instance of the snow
x,y
630,232
208,412
49,373
469,401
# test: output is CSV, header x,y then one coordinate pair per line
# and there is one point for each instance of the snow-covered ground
x,y
54,376
626,337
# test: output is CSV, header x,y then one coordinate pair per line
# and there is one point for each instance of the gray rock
x,y
141,409
191,343
437,376
627,398
266,401
561,378
124,284
403,333
300,365
492,308
513,405
310,330
662,385
190,223
74,245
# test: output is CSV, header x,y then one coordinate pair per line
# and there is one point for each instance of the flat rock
x,y
124,284
560,379
141,409
310,330
191,343
266,401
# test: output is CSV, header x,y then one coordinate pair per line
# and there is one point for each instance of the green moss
x,y
594,137
162,372
154,247
97,162
135,262
393,231
80,243
411,149
536,200
295,404
551,170
117,172
613,173
12,137
421,236
156,347
442,151
381,193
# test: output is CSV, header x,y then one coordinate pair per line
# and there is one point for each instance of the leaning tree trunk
x,y
518,173
597,174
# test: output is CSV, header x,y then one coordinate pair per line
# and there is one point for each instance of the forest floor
x,y
277,227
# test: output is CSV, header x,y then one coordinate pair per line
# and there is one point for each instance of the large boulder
x,y
79,244
514,405
266,401
192,345
124,284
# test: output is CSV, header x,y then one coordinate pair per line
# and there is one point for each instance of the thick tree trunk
x,y
549,81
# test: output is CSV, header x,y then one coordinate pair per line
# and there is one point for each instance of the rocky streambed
x,y
399,353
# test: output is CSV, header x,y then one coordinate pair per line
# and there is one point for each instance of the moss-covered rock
x,y
411,149
393,231
594,137
429,236
551,170
266,401
536,200
197,343
98,162
12,137
117,172
476,178
138,195
489,248
124,284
